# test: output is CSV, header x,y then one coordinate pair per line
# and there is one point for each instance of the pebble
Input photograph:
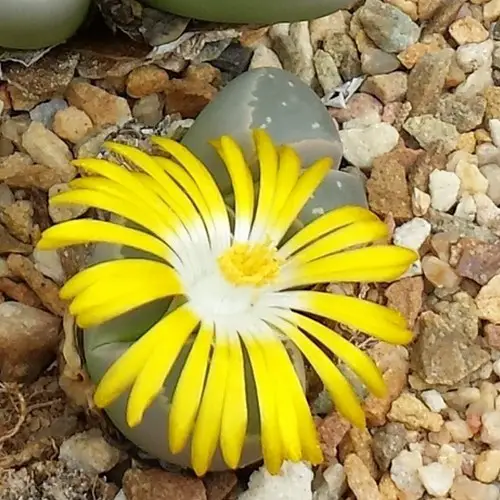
x,y
387,443
188,96
490,431
410,411
427,130
359,479
472,181
437,478
434,400
391,29
492,173
146,80
293,483
405,295
28,341
46,148
148,110
444,189
358,106
326,71
404,473
49,264
466,113
487,211
377,62
440,273
90,452
491,10
487,153
466,208
468,30
476,83
45,112
157,484
71,124
420,202
487,466
412,234
264,57
387,88
488,300
334,484
472,56
466,489
459,430
362,146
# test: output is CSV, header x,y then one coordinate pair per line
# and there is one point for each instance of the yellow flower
x,y
243,287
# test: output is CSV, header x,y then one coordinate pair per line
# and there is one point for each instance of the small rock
x,y
102,107
492,95
388,175
264,57
488,300
420,202
487,212
334,484
476,83
487,466
466,208
72,124
444,188
326,71
157,484
46,290
391,29
146,80
409,410
428,130
9,244
472,56
466,489
377,62
148,110
28,341
49,264
466,113
61,213
293,483
427,80
359,479
436,478
18,218
387,443
459,431
441,15
404,473
406,296
219,485
490,432
479,260
362,146
46,148
45,112
387,88
494,126
433,159
188,97
468,30
471,180
434,400
332,430
492,174
89,451
412,234
358,106
344,53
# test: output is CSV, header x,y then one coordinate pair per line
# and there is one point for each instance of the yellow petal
x,y
268,168
82,231
359,362
290,383
242,182
189,390
374,263
324,224
269,425
234,415
208,423
105,272
126,368
285,404
300,194
150,380
205,181
370,318
338,387
124,208
359,233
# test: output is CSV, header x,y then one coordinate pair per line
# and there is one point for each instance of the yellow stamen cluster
x,y
250,264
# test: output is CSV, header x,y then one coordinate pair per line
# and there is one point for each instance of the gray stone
x,y
463,112
387,443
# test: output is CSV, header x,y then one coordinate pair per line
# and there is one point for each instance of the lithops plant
x,y
35,24
251,11
194,326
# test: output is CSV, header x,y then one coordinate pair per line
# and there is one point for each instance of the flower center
x,y
250,264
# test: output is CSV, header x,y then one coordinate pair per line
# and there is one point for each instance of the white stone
x,y
472,56
494,125
476,82
293,483
90,452
264,57
487,211
466,208
372,117
492,173
434,400
490,432
436,478
444,188
420,202
472,181
451,458
404,472
362,146
412,234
